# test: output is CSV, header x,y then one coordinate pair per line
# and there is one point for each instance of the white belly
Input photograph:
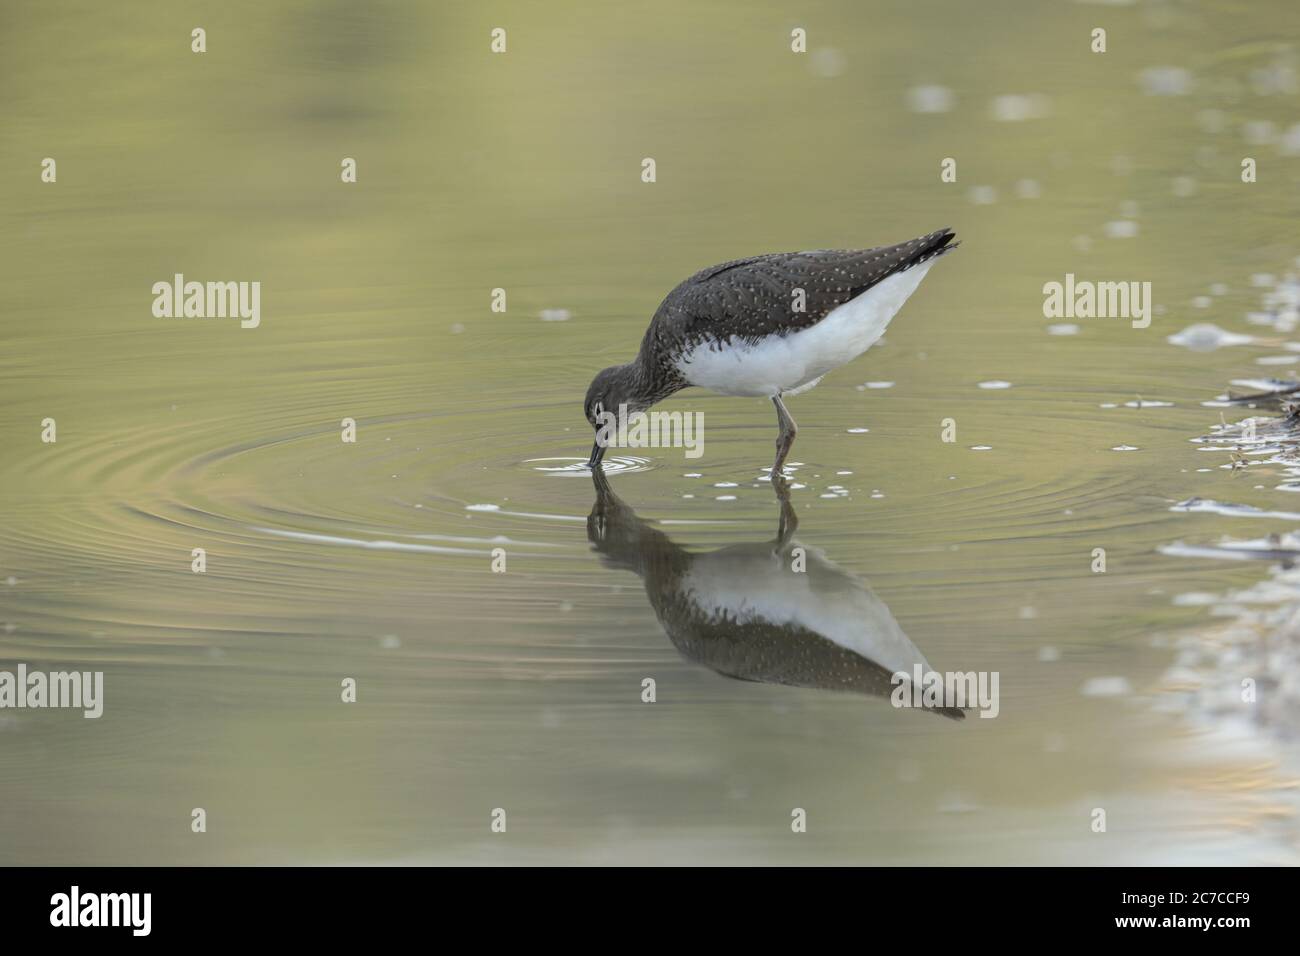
x,y
783,364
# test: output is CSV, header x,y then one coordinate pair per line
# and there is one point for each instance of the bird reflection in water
x,y
745,612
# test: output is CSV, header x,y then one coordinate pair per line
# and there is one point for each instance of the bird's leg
x,y
785,439
789,520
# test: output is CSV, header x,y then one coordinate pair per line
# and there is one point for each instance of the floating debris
x,y
1210,506
1206,337
1274,547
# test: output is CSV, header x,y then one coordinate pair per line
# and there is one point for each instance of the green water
x,y
372,560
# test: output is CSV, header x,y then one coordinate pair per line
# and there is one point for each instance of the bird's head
x,y
611,389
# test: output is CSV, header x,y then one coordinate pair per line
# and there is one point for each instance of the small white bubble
x,y
929,98
1205,337
957,803
1259,132
1289,145
827,62
1017,107
1212,121
1106,687
1165,81
1028,189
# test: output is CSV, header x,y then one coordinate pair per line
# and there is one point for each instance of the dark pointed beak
x,y
597,453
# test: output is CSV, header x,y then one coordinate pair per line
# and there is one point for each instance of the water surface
x,y
522,690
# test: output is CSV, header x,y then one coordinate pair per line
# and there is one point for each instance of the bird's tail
x,y
931,247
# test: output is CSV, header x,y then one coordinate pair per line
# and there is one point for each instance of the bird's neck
x,y
636,384
646,382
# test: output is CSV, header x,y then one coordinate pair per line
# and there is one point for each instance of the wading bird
x,y
767,326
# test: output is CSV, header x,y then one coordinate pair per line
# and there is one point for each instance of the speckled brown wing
x,y
754,298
